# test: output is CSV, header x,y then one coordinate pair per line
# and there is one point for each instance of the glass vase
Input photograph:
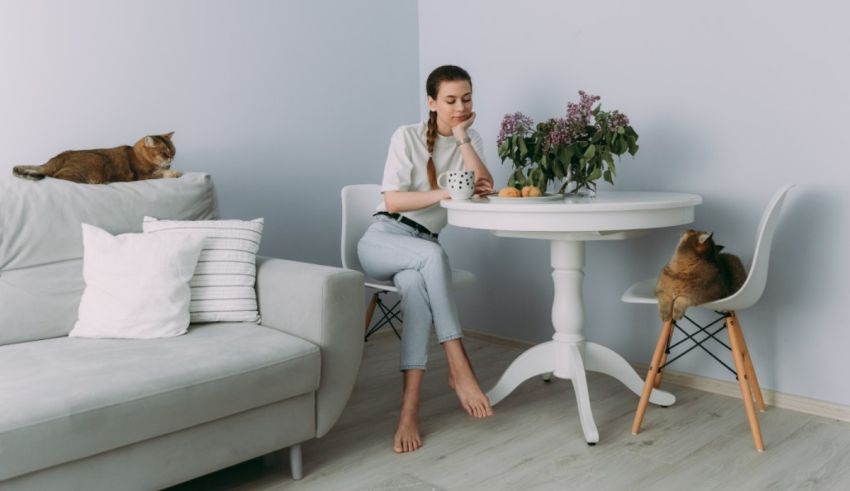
x,y
581,189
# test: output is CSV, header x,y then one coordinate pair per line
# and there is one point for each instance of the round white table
x,y
567,225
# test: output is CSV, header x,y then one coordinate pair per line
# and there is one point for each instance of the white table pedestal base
x,y
568,355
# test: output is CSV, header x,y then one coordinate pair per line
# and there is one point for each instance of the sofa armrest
x,y
324,305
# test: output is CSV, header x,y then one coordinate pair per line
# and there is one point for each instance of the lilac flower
x,y
618,120
514,124
581,112
560,133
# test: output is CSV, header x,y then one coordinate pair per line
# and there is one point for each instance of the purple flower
x,y
618,120
514,124
580,113
560,133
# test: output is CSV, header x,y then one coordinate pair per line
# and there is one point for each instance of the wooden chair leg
x,y
748,364
746,395
370,311
661,363
660,347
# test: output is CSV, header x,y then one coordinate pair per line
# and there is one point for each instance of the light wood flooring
x,y
534,441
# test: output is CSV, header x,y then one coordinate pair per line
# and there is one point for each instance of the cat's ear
x,y
168,136
150,142
705,236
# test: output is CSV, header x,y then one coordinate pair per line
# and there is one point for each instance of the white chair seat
x,y
386,286
461,278
641,292
644,292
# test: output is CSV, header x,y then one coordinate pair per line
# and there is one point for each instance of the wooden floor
x,y
534,442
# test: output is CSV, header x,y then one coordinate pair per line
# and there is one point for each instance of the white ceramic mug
x,y
460,184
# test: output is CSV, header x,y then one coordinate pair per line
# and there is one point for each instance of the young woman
x,y
402,243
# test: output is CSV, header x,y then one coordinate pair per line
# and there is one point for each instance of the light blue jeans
x,y
419,267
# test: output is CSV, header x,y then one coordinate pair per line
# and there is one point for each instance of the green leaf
x,y
608,176
606,156
558,169
523,150
633,147
596,174
590,152
622,146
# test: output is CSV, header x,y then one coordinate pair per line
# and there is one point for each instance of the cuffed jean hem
x,y
449,338
412,367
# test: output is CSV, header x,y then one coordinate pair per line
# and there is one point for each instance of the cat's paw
x,y
171,173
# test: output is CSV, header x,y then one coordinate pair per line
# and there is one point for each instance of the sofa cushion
x,y
41,240
223,283
67,398
137,285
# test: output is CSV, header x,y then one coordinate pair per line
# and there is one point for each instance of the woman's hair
x,y
445,73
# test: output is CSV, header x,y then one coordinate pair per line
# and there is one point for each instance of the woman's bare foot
x,y
407,437
462,380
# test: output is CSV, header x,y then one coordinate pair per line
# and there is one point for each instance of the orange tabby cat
x,y
697,273
149,158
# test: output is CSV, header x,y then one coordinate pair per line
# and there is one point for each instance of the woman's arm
x,y
471,160
399,201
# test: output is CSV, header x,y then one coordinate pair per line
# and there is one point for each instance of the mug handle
x,y
440,180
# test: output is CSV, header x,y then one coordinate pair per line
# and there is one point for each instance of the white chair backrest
x,y
756,280
358,206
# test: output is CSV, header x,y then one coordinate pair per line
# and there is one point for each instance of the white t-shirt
x,y
407,168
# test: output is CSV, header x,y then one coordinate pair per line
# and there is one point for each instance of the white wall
x,y
282,102
731,99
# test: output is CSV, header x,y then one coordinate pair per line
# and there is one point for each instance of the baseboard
x,y
723,387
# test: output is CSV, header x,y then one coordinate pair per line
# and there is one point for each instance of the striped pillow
x,y
223,283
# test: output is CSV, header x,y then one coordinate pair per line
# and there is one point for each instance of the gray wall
x,y
731,99
285,102
282,102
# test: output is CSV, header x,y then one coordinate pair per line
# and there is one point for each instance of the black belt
x,y
410,223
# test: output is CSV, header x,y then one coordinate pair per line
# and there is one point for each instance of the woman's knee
x,y
409,279
434,252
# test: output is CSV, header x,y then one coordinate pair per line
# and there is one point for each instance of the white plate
x,y
537,199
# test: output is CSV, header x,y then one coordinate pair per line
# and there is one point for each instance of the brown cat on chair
x,y
697,273
149,158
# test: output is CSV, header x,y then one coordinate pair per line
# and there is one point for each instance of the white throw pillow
x,y
223,285
137,285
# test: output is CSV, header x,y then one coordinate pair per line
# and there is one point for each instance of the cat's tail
x,y
31,172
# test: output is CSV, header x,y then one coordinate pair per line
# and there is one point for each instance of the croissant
x,y
531,192
509,192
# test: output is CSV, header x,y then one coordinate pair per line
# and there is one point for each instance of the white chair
x,y
358,206
746,296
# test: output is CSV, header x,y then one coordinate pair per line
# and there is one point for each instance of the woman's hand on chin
x,y
459,130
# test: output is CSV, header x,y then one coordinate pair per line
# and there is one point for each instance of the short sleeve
x,y
398,171
477,144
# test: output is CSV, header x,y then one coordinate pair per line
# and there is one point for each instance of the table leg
x,y
568,355
534,361
598,358
579,379
563,355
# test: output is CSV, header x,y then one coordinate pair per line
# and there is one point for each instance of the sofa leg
x,y
295,462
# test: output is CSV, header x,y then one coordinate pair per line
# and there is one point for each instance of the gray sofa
x,y
88,414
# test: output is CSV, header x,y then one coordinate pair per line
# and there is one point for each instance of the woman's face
x,y
453,104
